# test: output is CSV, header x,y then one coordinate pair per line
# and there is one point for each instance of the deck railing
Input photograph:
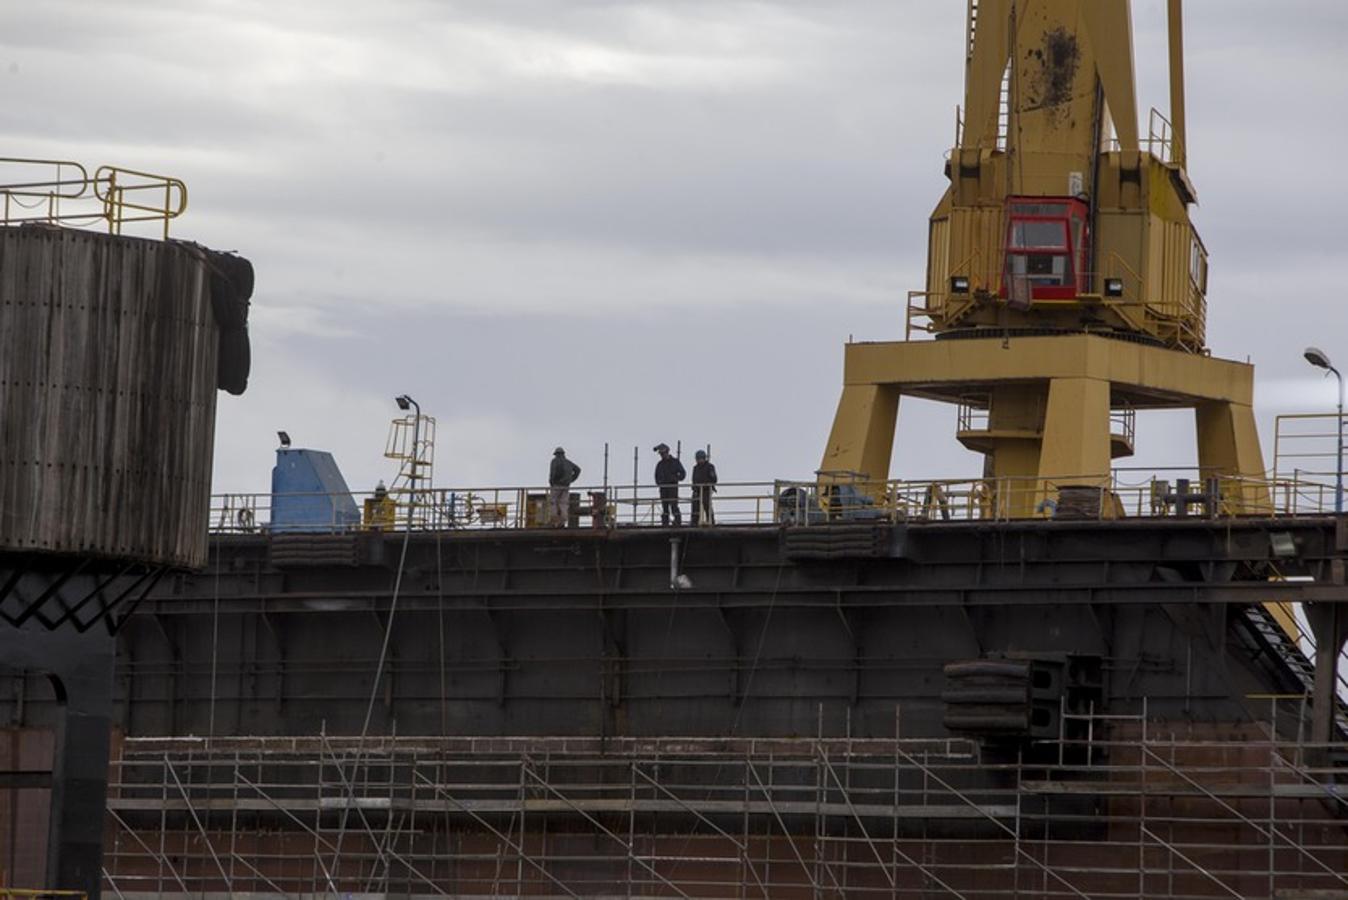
x,y
832,498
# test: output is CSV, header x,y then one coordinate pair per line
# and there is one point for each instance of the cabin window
x,y
1198,265
1045,249
1035,233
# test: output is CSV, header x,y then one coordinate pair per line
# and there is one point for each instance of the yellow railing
x,y
974,415
922,305
928,312
1161,140
940,304
61,192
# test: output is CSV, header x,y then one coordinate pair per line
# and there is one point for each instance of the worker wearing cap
x,y
561,474
704,484
668,473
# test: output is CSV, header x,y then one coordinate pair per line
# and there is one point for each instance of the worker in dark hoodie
x,y
704,484
668,473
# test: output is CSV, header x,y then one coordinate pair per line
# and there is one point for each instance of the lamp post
x,y
1317,357
405,402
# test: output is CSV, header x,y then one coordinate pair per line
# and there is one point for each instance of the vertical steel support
x,y
80,668
1338,449
1075,444
1329,626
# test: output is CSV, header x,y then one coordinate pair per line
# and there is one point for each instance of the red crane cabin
x,y
1046,243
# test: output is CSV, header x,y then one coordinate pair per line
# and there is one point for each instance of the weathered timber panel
x,y
108,355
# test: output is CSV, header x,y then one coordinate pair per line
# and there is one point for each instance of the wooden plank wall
x,y
108,350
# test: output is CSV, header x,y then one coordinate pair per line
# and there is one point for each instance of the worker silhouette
x,y
561,475
704,485
668,473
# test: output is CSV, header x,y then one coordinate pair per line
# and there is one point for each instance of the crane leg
x,y
862,438
1228,445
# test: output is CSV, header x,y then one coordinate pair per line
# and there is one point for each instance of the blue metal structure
x,y
308,493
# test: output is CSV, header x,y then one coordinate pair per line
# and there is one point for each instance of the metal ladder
x,y
971,27
1276,640
1004,98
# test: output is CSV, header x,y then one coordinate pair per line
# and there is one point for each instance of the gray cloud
x,y
557,220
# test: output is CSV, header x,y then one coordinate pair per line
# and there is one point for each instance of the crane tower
x,y
1066,286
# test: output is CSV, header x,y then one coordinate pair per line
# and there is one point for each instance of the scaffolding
x,y
1131,809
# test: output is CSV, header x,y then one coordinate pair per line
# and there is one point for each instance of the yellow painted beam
x,y
1109,24
1175,20
862,439
1228,444
1185,377
983,74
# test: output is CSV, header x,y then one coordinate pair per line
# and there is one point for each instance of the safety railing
x,y
62,192
1305,450
829,499
921,311
930,312
1123,424
1161,141
974,416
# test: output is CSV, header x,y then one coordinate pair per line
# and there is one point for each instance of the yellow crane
x,y
1066,285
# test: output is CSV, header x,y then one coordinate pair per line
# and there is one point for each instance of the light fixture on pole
x,y
405,402
1317,357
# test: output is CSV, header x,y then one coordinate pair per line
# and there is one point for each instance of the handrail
x,y
973,415
1187,316
1160,141
829,498
116,195
113,194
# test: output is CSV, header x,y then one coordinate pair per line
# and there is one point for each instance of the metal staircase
x,y
1274,640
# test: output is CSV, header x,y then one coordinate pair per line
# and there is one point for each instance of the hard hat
x,y
559,452
658,447
701,454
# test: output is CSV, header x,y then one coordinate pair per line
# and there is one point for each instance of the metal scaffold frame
x,y
1130,810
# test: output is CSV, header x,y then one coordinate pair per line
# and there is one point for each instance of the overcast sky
x,y
576,221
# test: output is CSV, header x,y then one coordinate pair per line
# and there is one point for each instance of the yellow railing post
x,y
110,195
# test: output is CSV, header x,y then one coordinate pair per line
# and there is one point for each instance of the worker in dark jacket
x,y
668,473
704,484
561,474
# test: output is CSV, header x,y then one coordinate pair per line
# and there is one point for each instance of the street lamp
x,y
1316,357
405,402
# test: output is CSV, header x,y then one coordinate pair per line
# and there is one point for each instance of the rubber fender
x,y
235,361
231,287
